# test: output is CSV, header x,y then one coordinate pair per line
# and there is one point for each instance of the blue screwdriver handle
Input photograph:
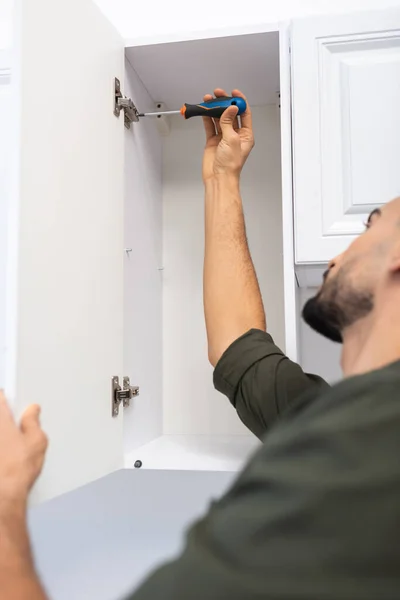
x,y
213,108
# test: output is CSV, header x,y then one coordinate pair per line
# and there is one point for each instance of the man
x,y
316,512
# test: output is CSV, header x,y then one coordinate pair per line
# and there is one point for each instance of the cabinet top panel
x,y
179,72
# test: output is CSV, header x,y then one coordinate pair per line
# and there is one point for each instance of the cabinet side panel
x,y
143,279
191,405
291,329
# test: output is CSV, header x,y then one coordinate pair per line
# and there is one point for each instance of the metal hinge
x,y
122,394
131,113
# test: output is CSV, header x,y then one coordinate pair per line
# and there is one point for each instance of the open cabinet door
x,y
5,101
65,261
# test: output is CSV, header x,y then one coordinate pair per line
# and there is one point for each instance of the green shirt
x,y
315,515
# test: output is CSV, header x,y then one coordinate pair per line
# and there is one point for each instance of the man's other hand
x,y
227,145
22,452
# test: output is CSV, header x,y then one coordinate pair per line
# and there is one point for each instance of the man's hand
x,y
227,145
22,452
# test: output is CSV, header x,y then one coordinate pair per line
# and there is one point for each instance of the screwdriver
x,y
211,108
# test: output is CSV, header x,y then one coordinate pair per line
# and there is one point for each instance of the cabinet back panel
x,y
191,405
143,280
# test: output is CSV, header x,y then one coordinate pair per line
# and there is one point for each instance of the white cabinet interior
x,y
346,124
179,421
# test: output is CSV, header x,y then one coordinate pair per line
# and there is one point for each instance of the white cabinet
x,y
106,236
74,246
346,126
179,420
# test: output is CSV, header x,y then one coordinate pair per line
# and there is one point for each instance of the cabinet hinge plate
x,y
122,394
131,113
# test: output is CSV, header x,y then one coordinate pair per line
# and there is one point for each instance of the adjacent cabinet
x,y
346,125
105,235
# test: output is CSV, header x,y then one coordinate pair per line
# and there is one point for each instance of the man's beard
x,y
337,306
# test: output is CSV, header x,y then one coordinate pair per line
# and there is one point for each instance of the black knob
x,y
138,464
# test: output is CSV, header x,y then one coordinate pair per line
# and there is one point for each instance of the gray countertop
x,y
100,541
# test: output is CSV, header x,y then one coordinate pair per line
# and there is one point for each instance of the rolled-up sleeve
x,y
260,381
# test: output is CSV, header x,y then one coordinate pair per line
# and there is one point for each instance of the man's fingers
x,y
217,126
5,411
245,118
219,92
213,126
30,420
227,121
209,126
37,439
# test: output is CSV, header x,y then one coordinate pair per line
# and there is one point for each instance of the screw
x,y
138,464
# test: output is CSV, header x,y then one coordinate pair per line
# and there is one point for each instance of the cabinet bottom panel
x,y
194,453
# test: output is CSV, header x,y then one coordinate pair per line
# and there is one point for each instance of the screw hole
x,y
138,464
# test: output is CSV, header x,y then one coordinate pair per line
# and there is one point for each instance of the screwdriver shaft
x,y
158,114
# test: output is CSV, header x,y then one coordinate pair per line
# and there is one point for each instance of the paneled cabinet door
x,y
65,258
346,126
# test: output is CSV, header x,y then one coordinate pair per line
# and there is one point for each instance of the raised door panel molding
x,y
346,128
360,125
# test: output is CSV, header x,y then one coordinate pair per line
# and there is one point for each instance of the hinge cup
x,y
131,113
122,394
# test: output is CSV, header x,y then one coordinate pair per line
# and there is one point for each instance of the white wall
x,y
143,280
153,19
191,405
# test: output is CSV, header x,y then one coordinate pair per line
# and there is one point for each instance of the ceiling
x,y
181,72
